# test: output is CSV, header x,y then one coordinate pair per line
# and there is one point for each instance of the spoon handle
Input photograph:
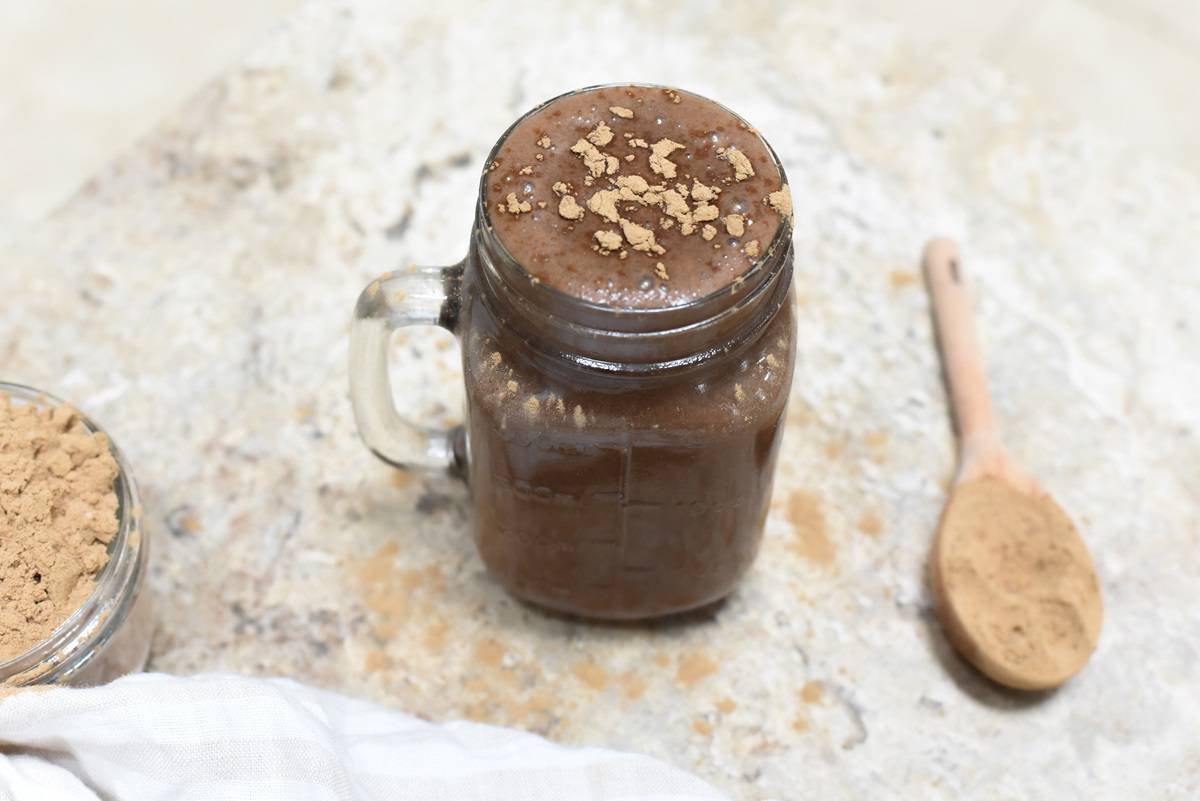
x,y
961,357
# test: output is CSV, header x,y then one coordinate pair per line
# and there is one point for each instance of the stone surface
x,y
195,299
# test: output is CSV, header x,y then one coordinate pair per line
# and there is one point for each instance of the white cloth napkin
x,y
152,737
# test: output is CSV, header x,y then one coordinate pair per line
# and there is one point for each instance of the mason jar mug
x,y
619,460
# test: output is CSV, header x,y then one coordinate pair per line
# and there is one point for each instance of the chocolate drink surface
x,y
639,488
611,163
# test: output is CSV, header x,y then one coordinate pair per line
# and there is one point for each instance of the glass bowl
x,y
109,634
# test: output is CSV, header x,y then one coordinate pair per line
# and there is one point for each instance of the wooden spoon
x,y
1013,584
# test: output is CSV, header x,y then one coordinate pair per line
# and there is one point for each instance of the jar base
x,y
659,613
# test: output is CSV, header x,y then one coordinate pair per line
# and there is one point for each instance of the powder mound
x,y
58,512
1018,593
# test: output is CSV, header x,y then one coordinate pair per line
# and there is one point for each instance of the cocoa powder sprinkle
x,y
569,209
781,202
742,168
659,152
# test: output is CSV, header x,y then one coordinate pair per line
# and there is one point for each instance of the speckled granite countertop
x,y
195,299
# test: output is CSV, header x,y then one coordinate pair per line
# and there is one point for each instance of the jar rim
x,y
620,318
79,637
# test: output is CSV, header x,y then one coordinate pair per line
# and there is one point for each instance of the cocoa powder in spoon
x,y
1021,597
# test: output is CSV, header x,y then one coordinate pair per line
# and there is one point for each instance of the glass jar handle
x,y
418,296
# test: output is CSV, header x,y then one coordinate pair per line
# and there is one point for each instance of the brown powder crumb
x,y
435,636
489,653
544,142
597,163
601,135
608,241
377,660
1016,589
810,537
635,185
531,406
705,212
739,394
693,668
640,239
638,142
901,278
876,442
512,387
742,168
569,209
835,448
660,270
702,193
708,232
659,152
870,524
675,206
633,685
702,727
781,201
539,157
541,204
752,248
603,203
58,512
593,676
811,692
579,417
560,188
735,224
526,170
622,112
513,206
630,157
726,705
495,359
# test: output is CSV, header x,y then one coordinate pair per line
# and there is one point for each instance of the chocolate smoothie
x,y
639,492
594,191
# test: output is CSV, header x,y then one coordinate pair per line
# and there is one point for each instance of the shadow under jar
x,y
624,404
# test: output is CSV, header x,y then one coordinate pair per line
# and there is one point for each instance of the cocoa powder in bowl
x,y
58,514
